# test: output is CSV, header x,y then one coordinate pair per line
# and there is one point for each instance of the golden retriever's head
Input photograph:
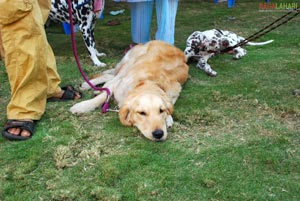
x,y
148,112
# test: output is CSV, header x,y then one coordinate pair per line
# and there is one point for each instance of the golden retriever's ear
x,y
170,108
124,115
168,105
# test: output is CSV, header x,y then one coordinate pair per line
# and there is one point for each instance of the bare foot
x,y
20,132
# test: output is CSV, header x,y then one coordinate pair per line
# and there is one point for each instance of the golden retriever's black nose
x,y
158,134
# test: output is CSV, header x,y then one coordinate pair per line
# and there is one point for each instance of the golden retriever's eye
x,y
142,113
161,111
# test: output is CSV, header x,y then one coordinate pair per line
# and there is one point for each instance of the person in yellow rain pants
x,y
1,48
30,65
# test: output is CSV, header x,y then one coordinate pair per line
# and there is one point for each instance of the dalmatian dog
x,y
201,46
85,14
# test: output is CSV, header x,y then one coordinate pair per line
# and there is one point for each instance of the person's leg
x,y
1,47
54,91
52,74
141,15
24,42
166,11
31,68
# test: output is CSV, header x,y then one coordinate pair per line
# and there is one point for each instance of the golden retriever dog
x,y
146,84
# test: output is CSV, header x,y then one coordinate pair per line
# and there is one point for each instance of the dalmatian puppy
x,y
85,14
201,46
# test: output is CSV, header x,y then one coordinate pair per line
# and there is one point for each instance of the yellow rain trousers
x,y
28,58
1,47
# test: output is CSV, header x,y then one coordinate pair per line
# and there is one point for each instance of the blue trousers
x,y
141,19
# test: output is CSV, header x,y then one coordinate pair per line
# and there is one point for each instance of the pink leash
x,y
105,106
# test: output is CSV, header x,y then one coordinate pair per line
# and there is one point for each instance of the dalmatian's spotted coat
x,y
85,15
203,45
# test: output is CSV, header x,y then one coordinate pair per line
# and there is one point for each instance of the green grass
x,y
235,136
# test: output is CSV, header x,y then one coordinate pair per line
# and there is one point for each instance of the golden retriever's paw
x,y
82,107
169,121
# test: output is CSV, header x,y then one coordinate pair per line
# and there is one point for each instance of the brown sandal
x,y
23,125
69,94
